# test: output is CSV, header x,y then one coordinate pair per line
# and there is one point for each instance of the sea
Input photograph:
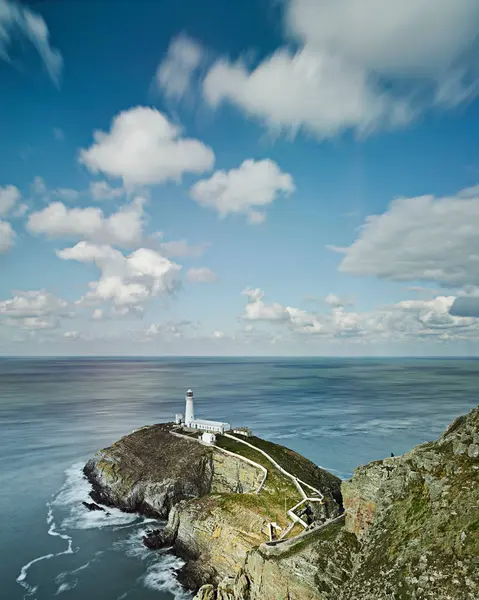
x,y
56,413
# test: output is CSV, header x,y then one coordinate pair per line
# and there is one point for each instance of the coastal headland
x,y
254,520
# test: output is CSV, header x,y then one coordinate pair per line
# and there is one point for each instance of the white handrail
x,y
280,468
251,462
243,458
296,481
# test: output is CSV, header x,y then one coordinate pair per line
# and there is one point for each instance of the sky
x,y
265,177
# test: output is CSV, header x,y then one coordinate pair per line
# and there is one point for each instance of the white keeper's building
x,y
190,422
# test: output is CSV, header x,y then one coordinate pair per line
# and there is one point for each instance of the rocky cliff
x,y
410,530
411,533
215,515
150,471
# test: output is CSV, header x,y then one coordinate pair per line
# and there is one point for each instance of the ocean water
x,y
55,413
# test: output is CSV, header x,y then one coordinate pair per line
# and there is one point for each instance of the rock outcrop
x,y
410,529
411,533
150,471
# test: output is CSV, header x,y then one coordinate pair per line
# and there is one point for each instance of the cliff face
x,y
214,515
150,471
411,533
417,517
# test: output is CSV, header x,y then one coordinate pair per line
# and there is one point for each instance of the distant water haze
x,y
55,413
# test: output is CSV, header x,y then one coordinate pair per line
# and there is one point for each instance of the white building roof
x,y
210,423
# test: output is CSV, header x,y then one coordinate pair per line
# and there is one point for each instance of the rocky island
x,y
256,521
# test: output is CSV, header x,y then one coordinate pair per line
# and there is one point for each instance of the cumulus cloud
x,y
254,184
419,239
308,89
257,310
125,281
408,319
102,190
354,70
144,147
175,72
34,310
335,301
411,37
16,20
169,330
35,303
122,228
201,275
7,236
9,196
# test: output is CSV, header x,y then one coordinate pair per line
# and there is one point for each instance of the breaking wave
x,y
161,577
66,508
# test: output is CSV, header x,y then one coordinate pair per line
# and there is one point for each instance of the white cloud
x,y
218,334
38,323
409,319
335,301
257,310
180,248
7,236
254,184
34,310
308,89
72,335
15,20
126,281
143,147
423,319
102,190
122,228
201,275
170,329
411,37
358,66
419,239
97,314
175,72
9,196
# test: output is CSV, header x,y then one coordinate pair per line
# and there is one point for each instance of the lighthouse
x,y
190,409
202,424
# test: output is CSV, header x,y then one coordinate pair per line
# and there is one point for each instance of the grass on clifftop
x,y
297,465
278,495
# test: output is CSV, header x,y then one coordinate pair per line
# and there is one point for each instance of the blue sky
x,y
293,177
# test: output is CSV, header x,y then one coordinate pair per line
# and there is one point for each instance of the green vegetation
x,y
297,465
278,495
326,534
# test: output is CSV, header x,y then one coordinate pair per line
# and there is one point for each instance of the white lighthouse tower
x,y
190,409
